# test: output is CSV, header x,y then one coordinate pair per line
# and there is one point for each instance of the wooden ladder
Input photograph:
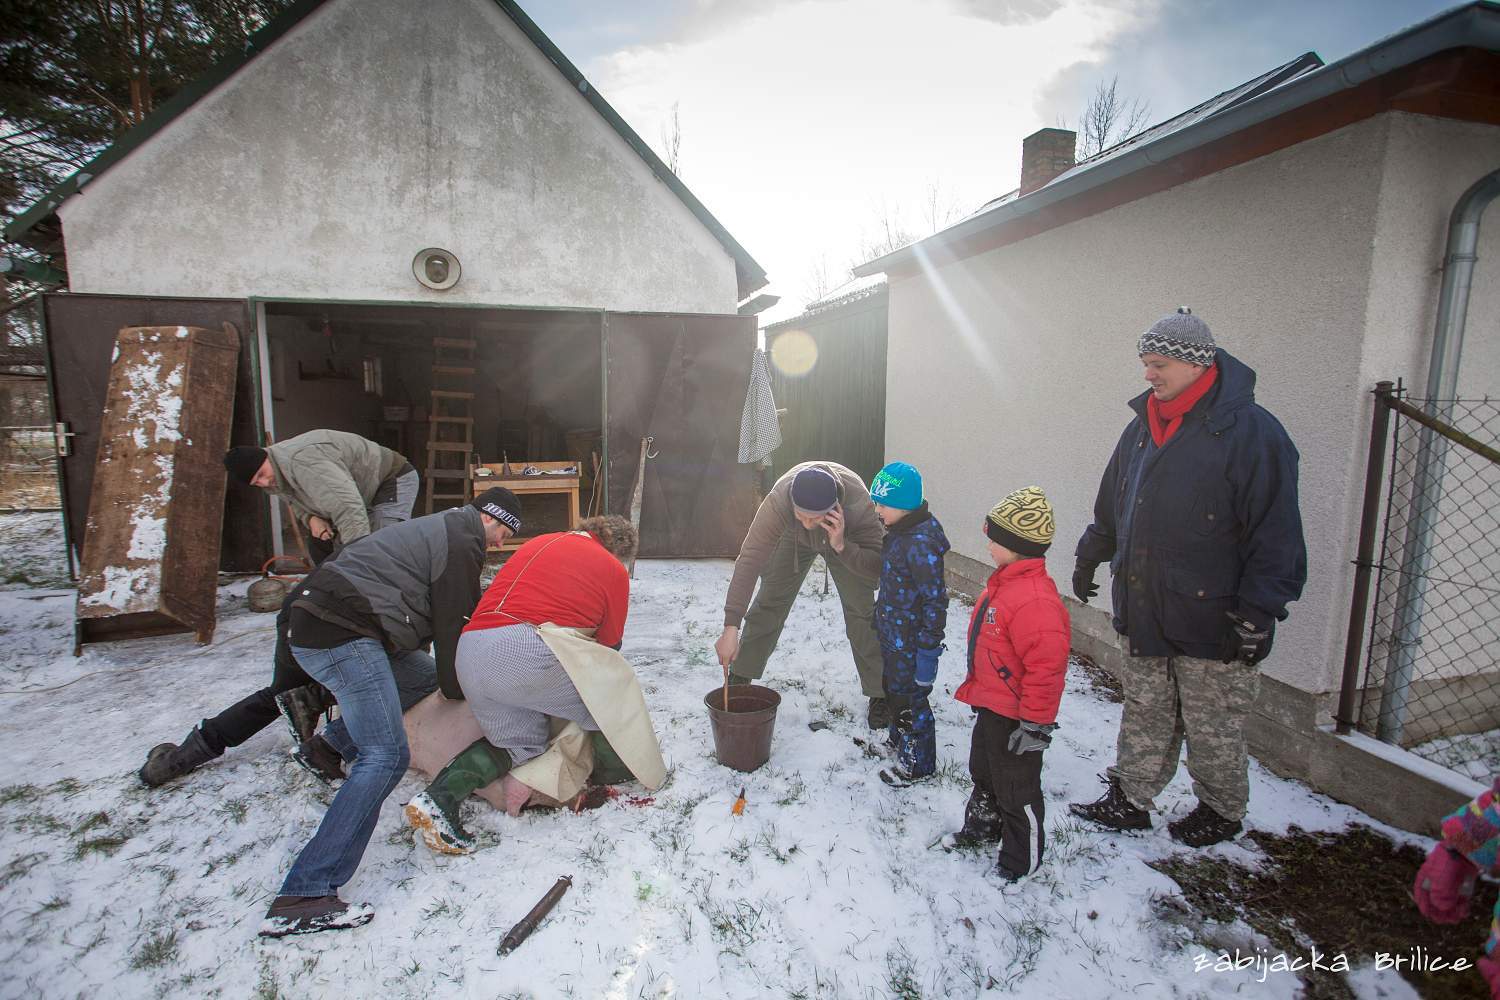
x,y
450,442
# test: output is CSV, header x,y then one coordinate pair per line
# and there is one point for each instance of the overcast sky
x,y
804,122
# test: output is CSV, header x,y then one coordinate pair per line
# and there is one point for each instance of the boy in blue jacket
x,y
911,612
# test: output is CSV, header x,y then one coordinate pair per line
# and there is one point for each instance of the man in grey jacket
x,y
357,622
340,485
816,508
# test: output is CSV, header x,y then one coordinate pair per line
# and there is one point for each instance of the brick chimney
x,y
1044,155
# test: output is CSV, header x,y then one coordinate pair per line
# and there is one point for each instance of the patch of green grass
x,y
16,868
18,793
67,786
266,987
90,822
1290,899
954,773
740,852
156,951
38,822
767,841
443,908
796,790
901,974
235,809
106,845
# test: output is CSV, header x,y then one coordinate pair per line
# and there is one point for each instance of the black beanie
x,y
814,491
501,504
244,462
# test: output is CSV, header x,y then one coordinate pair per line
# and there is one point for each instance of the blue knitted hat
x,y
897,485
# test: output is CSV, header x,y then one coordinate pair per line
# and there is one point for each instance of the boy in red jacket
x,y
1018,657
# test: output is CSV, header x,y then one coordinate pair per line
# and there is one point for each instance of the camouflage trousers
x,y
1172,699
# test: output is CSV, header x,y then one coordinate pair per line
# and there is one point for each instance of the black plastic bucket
x,y
742,735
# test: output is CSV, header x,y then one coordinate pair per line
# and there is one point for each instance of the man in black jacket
x,y
1197,516
357,621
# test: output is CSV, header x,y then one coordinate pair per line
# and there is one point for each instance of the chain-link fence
x,y
28,461
1432,674
28,467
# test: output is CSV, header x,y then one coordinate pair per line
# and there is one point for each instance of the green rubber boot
x,y
434,814
609,769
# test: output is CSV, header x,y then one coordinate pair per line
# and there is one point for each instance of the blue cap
x,y
897,485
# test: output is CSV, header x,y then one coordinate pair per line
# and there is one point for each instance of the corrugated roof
x,y
41,215
851,291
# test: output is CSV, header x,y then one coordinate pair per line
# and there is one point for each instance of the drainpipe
x,y
1442,388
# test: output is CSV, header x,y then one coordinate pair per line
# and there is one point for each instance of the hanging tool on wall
x,y
636,496
523,928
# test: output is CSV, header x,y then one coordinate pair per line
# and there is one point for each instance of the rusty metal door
x,y
680,379
80,338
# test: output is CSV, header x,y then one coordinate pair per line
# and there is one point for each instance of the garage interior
x,y
534,382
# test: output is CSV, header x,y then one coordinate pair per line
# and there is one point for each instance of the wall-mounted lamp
x,y
436,269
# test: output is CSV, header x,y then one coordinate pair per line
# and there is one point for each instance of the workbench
x,y
549,483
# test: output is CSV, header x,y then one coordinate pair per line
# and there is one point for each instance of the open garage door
x,y
80,335
680,379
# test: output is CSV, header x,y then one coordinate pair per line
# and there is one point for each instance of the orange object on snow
x,y
739,804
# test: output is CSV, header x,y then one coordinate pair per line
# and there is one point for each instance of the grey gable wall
x,y
376,128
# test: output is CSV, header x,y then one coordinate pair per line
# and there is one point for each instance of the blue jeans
x,y
416,678
361,677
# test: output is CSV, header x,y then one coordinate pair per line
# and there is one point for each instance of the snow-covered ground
x,y
33,555
827,886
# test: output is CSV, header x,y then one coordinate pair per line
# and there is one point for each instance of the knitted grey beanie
x,y
1179,335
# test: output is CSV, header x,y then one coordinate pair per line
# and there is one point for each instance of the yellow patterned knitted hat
x,y
1022,522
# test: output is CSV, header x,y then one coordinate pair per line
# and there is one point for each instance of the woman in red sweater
x,y
510,677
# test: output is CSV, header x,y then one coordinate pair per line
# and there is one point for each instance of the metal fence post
x,y
1369,516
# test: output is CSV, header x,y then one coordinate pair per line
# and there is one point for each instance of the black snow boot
x,y
300,707
879,714
1113,810
1203,827
320,759
310,914
981,829
166,761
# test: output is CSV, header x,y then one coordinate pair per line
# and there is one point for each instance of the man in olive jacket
x,y
340,485
817,508
1197,516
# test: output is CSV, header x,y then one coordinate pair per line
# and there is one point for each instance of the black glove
x,y
1084,586
1249,637
1029,736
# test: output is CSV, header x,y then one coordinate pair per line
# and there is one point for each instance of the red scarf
x,y
1165,418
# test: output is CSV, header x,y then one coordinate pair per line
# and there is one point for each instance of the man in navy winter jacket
x,y
1197,517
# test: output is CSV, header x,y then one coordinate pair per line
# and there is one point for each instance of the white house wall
x,y
1014,366
377,128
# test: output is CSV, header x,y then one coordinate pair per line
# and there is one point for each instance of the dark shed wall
x,y
680,379
835,412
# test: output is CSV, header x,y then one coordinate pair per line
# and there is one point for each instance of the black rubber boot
x,y
609,769
167,762
300,707
435,813
1203,827
879,714
320,759
981,829
1113,810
